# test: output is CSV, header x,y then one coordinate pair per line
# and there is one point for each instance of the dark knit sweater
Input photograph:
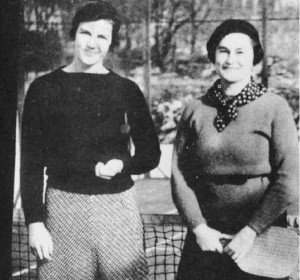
x,y
72,121
252,164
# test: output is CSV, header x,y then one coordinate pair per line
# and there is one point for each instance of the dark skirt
x,y
196,264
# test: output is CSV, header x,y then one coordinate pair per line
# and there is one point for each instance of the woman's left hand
x,y
241,243
110,169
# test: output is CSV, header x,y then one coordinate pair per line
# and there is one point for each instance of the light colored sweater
x,y
249,170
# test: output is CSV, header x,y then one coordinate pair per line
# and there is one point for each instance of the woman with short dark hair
x,y
77,124
235,161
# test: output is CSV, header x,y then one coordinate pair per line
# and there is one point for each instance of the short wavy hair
x,y
94,11
235,26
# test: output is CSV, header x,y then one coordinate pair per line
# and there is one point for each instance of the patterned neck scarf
x,y
228,108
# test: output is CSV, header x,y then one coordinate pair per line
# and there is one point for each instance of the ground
x,y
154,196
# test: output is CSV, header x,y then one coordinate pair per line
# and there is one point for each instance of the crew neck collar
x,y
85,73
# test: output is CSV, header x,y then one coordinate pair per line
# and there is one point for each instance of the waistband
x,y
230,179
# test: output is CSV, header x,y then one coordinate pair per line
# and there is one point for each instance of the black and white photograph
x,y
149,140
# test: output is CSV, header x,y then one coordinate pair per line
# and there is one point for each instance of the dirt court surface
x,y
154,196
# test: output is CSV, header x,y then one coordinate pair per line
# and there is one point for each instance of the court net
x,y
163,238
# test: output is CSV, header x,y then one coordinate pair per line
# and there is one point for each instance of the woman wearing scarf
x,y
235,161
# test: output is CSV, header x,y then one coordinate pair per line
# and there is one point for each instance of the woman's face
x,y
92,42
234,58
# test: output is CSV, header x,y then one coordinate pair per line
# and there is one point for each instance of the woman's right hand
x,y
209,239
40,241
110,169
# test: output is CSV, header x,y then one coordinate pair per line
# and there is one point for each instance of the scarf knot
x,y
228,108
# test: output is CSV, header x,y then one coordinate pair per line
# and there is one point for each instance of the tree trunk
x,y
193,26
193,37
265,70
157,58
127,38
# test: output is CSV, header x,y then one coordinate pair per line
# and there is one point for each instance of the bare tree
x,y
199,10
131,12
170,16
41,34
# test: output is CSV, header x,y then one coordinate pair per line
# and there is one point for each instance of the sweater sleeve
x,y
284,160
183,195
32,156
143,134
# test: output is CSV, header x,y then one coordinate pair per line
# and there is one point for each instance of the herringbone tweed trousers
x,y
94,237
